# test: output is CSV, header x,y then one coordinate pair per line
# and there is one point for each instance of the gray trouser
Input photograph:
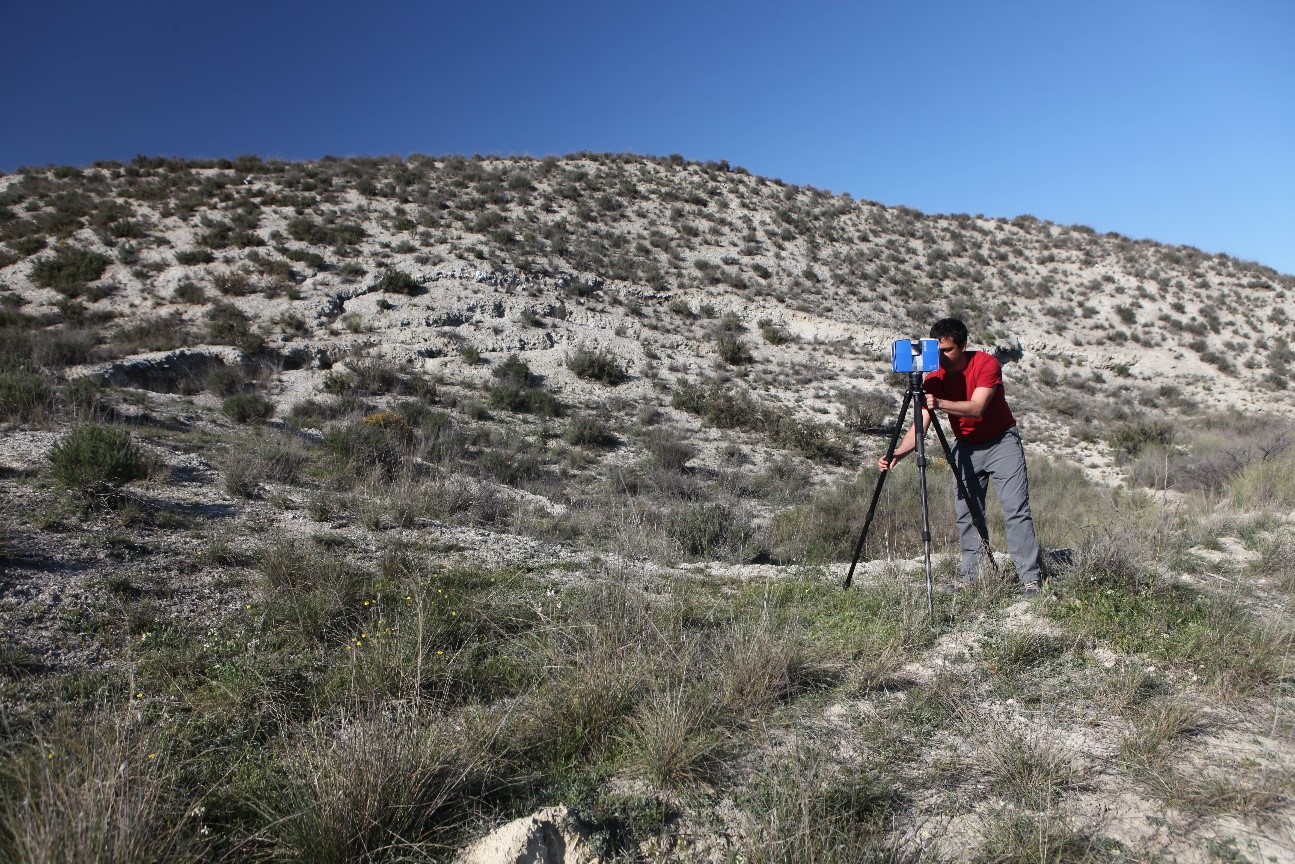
x,y
1004,460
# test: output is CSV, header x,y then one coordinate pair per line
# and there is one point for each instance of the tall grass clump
x,y
102,788
313,594
673,738
1162,721
825,528
1025,765
1267,485
801,809
1069,509
766,658
711,529
95,460
1039,837
25,396
379,789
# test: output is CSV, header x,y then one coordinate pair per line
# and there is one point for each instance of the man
x,y
968,388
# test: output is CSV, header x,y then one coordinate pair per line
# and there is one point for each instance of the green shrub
x,y
192,257
381,441
813,439
248,408
708,529
1129,439
732,349
680,307
69,270
526,400
589,431
727,407
96,459
773,333
28,246
311,259
720,405
514,370
233,283
229,325
600,365
518,390
868,411
394,281
376,377
309,412
352,270
189,292
307,230
668,449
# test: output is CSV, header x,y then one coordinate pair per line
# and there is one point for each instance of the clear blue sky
x,y
1172,120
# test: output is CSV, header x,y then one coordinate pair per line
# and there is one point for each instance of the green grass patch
x,y
1173,623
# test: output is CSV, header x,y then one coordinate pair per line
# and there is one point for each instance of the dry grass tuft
x,y
673,737
1246,789
1045,838
373,789
1024,764
807,809
1160,722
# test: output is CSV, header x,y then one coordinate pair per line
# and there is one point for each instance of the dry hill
x,y
353,507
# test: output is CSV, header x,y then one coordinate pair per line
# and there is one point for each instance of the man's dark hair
x,y
950,328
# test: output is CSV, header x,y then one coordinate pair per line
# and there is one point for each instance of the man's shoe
x,y
1030,589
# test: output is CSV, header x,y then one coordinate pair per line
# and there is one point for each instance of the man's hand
x,y
885,465
932,402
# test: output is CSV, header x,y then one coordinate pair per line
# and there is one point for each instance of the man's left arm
x,y
973,407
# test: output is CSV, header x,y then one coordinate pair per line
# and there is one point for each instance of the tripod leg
x,y
977,515
919,439
876,492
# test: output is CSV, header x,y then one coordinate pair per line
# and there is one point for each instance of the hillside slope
x,y
581,247
351,509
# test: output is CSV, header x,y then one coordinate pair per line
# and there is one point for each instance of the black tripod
x,y
916,396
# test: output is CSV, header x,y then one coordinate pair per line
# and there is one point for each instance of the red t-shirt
x,y
982,370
